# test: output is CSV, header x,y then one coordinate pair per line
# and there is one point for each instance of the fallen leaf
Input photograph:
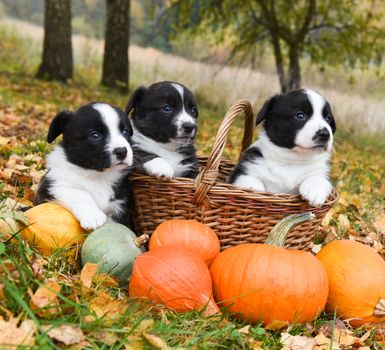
x,y
379,224
296,342
44,300
11,336
66,334
38,267
343,223
326,343
106,337
87,274
105,306
315,248
4,140
134,343
244,330
155,341
276,325
145,325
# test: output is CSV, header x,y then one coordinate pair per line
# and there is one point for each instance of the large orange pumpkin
x,y
356,281
191,234
52,227
266,283
175,277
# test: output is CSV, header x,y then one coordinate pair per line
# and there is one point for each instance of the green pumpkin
x,y
114,247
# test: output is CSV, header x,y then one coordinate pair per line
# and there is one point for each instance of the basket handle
x,y
209,174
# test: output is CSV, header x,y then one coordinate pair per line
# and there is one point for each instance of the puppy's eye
x,y
328,118
126,132
95,136
300,116
167,108
194,111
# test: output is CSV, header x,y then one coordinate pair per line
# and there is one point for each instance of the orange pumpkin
x,y
175,277
266,283
52,227
356,281
191,234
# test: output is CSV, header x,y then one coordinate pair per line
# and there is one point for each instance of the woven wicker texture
x,y
236,215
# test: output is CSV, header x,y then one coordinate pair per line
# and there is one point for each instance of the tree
x,y
326,31
57,60
115,60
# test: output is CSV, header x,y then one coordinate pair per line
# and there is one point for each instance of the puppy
x,y
293,150
87,171
164,118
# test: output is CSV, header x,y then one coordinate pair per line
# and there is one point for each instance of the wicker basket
x,y
236,215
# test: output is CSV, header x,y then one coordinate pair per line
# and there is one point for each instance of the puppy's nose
x,y
120,152
188,127
322,135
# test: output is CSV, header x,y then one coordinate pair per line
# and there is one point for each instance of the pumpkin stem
x,y
279,232
141,240
379,309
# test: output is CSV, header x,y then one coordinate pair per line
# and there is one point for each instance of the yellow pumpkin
x,y
52,227
356,274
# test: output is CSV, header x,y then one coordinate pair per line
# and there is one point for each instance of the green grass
x,y
358,171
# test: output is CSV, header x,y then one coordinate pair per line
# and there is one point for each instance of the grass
x,y
26,107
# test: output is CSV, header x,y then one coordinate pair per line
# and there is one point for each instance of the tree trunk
x,y
115,60
279,64
57,61
294,71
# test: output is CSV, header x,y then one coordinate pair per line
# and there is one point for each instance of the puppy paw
x,y
92,220
159,168
249,183
315,191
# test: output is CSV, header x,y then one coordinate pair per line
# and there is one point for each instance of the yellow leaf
x,y
4,140
276,325
326,343
87,274
134,343
145,324
11,336
343,223
105,306
155,341
44,300
106,337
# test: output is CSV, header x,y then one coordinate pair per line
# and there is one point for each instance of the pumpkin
x,y
356,281
173,276
191,234
52,227
266,283
114,247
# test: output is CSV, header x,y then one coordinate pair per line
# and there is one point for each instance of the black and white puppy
x,y
164,118
292,152
87,171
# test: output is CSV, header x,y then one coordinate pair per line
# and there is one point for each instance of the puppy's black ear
x,y
261,115
129,126
135,99
58,125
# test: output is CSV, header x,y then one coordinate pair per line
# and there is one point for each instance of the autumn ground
x,y
47,303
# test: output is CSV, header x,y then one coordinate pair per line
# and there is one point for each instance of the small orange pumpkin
x,y
174,276
52,227
356,281
266,283
191,234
